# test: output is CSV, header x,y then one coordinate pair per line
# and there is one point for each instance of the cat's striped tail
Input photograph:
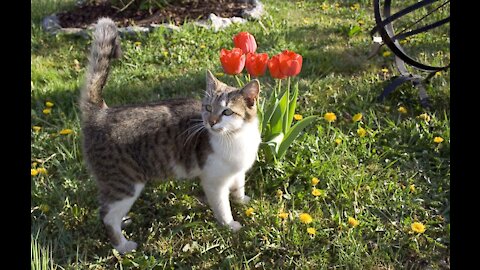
x,y
105,47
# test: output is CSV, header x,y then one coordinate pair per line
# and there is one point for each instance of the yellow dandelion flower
x,y
42,170
438,73
361,22
425,117
317,192
412,188
386,53
357,117
353,222
279,193
66,131
418,227
385,70
137,43
165,53
338,141
49,104
330,117
33,172
249,212
311,231
361,132
402,110
36,128
355,6
305,218
47,111
203,46
315,181
44,208
437,139
324,6
219,74
297,117
283,215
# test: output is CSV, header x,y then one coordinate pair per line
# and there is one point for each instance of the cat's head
x,y
227,109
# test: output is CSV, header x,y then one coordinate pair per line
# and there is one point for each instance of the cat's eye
x,y
227,112
208,108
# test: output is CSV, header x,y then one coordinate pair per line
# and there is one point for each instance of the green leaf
x,y
269,109
276,122
293,105
293,134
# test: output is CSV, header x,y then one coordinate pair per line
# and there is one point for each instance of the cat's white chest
x,y
238,152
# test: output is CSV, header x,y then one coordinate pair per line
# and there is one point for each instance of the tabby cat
x,y
215,139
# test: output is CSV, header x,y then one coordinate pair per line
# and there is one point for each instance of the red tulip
x,y
256,64
274,67
246,42
232,61
290,63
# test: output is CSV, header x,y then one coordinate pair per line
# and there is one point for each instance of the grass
x,y
388,179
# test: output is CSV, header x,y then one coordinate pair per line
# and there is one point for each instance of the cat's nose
x,y
212,120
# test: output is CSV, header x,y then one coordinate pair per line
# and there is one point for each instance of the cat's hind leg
x,y
112,213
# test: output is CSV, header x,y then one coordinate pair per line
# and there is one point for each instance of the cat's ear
x,y
212,82
250,92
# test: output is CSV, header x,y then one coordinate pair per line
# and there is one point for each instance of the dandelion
x,y
353,222
36,128
361,132
33,172
42,170
402,110
330,117
438,74
137,43
385,70
325,6
47,111
361,22
249,212
317,192
44,208
338,141
203,46
165,53
305,218
66,131
311,231
412,188
386,53
279,193
219,74
283,215
418,227
297,117
315,181
425,117
355,6
437,139
357,117
49,104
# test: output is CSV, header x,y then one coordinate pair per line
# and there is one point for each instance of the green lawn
x,y
387,180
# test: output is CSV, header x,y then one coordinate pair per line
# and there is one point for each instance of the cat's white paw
x,y
126,247
235,226
243,200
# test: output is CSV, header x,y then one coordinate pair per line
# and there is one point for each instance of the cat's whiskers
x,y
194,131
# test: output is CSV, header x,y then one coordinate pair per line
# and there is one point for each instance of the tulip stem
x,y
238,81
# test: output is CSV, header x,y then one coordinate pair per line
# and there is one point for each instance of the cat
x,y
215,139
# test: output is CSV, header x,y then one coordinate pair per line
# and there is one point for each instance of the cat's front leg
x,y
237,189
217,195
